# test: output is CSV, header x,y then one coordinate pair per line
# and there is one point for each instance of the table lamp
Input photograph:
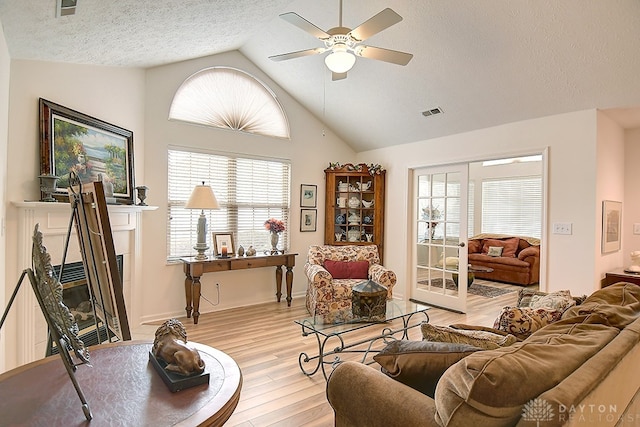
x,y
202,198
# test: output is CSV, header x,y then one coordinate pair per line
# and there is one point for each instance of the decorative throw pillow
x,y
347,269
523,321
495,251
420,364
474,246
510,246
482,339
557,301
525,296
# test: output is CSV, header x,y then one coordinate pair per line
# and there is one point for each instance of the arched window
x,y
229,98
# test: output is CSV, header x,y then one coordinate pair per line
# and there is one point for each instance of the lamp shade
x,y
202,197
340,60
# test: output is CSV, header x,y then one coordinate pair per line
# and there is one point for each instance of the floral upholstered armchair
x,y
333,270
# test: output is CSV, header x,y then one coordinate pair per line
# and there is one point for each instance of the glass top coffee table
x,y
342,323
471,269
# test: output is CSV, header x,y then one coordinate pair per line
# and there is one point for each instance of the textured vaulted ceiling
x,y
483,62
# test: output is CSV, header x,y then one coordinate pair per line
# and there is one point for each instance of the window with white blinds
x,y
249,192
512,206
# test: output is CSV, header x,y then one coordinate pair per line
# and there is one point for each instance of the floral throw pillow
x,y
523,321
495,251
559,301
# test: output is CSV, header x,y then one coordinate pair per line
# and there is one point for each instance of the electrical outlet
x,y
562,228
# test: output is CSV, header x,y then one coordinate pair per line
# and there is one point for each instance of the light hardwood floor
x,y
266,344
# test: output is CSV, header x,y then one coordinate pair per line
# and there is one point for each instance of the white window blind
x,y
231,99
249,192
512,206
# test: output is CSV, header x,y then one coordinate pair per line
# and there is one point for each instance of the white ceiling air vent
x,y
432,111
65,7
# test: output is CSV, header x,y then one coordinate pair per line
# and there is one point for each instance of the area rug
x,y
475,289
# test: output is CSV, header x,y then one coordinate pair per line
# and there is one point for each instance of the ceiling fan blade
x,y
300,22
338,76
375,24
298,54
387,55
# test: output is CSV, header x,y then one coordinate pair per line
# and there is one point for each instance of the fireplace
x,y
26,329
75,295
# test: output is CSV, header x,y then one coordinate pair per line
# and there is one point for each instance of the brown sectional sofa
x,y
580,370
519,268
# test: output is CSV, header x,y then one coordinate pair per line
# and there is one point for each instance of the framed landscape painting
x,y
95,150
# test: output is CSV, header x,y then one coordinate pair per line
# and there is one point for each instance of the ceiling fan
x,y
345,43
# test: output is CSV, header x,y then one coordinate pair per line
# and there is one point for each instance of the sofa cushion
x,y
347,269
616,305
482,339
502,262
420,364
486,388
510,246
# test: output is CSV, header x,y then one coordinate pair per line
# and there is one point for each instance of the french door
x,y
440,236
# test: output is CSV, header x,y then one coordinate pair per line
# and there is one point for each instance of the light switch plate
x,y
562,228
636,228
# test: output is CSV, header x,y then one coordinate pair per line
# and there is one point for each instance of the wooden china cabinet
x,y
355,205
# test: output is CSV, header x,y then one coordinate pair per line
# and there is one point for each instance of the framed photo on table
x,y
223,245
95,150
308,195
611,226
308,219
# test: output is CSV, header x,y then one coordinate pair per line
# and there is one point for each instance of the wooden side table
x,y
121,387
619,275
194,269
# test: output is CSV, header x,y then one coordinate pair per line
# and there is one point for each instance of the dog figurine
x,y
170,346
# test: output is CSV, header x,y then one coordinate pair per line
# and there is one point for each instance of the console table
x,y
194,269
619,275
121,387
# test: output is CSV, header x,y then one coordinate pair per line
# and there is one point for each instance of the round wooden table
x,y
121,387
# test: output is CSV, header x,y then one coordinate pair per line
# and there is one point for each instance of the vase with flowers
x,y
431,215
275,227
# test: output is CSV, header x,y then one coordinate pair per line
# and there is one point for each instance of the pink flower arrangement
x,y
274,225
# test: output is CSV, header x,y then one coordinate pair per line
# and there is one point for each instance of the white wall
x,y
4,134
115,95
571,197
631,211
308,150
610,185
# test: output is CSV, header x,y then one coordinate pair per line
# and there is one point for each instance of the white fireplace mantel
x,y
53,221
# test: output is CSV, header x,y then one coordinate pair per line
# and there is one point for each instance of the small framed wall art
x,y
223,245
308,219
308,195
611,226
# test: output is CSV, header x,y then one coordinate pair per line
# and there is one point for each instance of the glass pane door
x,y
440,235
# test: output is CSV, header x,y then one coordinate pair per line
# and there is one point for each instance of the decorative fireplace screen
x,y
75,295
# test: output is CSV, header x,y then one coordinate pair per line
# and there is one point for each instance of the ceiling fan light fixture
x,y
340,60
